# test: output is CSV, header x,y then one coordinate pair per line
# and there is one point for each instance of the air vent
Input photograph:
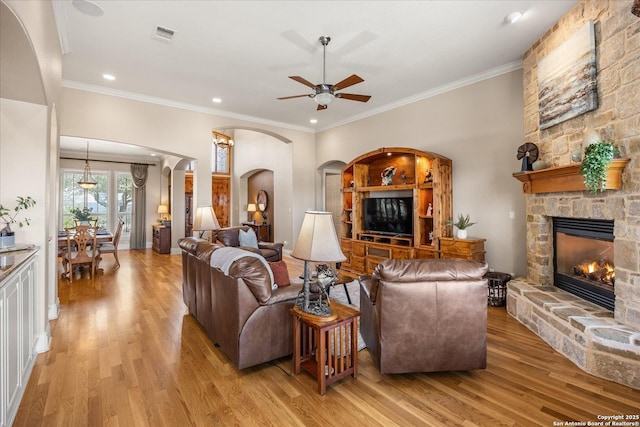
x,y
163,33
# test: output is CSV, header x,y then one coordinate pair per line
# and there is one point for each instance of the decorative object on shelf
x,y
205,221
324,93
7,237
539,164
251,208
596,163
82,215
576,155
528,153
403,177
567,79
430,209
387,175
88,181
462,223
351,184
317,242
163,210
263,203
222,140
428,177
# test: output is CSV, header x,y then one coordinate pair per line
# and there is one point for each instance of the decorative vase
x,y
462,234
7,237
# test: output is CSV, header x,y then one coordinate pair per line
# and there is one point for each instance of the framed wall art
x,y
567,79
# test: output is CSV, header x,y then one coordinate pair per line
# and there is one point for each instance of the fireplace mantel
x,y
567,178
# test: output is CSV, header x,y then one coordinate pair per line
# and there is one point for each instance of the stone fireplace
x,y
602,339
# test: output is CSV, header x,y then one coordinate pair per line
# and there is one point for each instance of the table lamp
x,y
205,220
317,242
163,210
251,208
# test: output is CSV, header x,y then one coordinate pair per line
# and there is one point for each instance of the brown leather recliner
x,y
229,237
239,310
425,315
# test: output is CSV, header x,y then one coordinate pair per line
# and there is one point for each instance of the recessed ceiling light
x,y
153,154
217,100
314,121
108,77
88,7
513,17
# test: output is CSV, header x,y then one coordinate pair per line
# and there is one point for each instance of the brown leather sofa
x,y
425,315
239,311
229,237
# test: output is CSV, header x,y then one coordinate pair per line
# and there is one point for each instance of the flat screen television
x,y
388,215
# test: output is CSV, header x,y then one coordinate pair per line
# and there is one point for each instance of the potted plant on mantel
x,y
462,223
8,217
597,158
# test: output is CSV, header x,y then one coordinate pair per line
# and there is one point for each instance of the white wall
x,y
479,127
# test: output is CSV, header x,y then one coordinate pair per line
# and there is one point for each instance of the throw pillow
x,y
280,273
248,238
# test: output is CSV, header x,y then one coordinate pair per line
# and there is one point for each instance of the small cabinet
x,y
263,231
472,249
161,239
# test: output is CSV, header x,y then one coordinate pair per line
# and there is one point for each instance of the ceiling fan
x,y
324,94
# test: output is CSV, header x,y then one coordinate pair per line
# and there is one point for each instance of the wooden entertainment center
x,y
424,177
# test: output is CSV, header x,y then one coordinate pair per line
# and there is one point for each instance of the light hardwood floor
x,y
125,352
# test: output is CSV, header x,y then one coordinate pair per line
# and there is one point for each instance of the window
x,y
110,199
74,197
124,196
220,159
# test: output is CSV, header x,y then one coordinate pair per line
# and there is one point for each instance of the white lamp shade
x,y
205,219
163,209
317,240
251,207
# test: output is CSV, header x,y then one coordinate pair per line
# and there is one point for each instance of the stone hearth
x,y
584,332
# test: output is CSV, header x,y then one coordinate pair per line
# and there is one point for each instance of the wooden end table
x,y
328,350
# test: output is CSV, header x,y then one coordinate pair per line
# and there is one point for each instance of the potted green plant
x,y
595,165
82,215
462,223
8,217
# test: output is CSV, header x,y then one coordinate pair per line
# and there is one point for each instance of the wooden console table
x,y
328,350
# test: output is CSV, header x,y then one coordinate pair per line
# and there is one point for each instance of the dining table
x,y
103,236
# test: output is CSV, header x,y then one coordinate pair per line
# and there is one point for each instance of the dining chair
x,y
81,249
112,248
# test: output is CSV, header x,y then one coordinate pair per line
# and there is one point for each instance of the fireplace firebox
x,y
583,259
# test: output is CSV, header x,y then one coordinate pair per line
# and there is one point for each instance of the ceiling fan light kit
x,y
324,94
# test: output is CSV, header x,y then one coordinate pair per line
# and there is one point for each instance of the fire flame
x,y
601,271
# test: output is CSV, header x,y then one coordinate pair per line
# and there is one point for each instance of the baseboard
x,y
54,310
43,341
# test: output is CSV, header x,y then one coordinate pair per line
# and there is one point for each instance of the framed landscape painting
x,y
567,79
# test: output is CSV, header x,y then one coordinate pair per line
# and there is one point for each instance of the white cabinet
x,y
17,321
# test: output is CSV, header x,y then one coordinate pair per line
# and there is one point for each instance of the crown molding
x,y
60,16
182,105
507,68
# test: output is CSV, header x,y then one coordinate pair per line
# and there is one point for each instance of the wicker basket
x,y
497,290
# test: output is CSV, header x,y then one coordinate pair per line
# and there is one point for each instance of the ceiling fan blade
x,y
321,107
294,96
303,81
353,97
349,81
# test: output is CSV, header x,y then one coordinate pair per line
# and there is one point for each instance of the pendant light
x,y
87,182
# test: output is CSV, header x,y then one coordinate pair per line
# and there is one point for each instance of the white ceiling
x,y
243,51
